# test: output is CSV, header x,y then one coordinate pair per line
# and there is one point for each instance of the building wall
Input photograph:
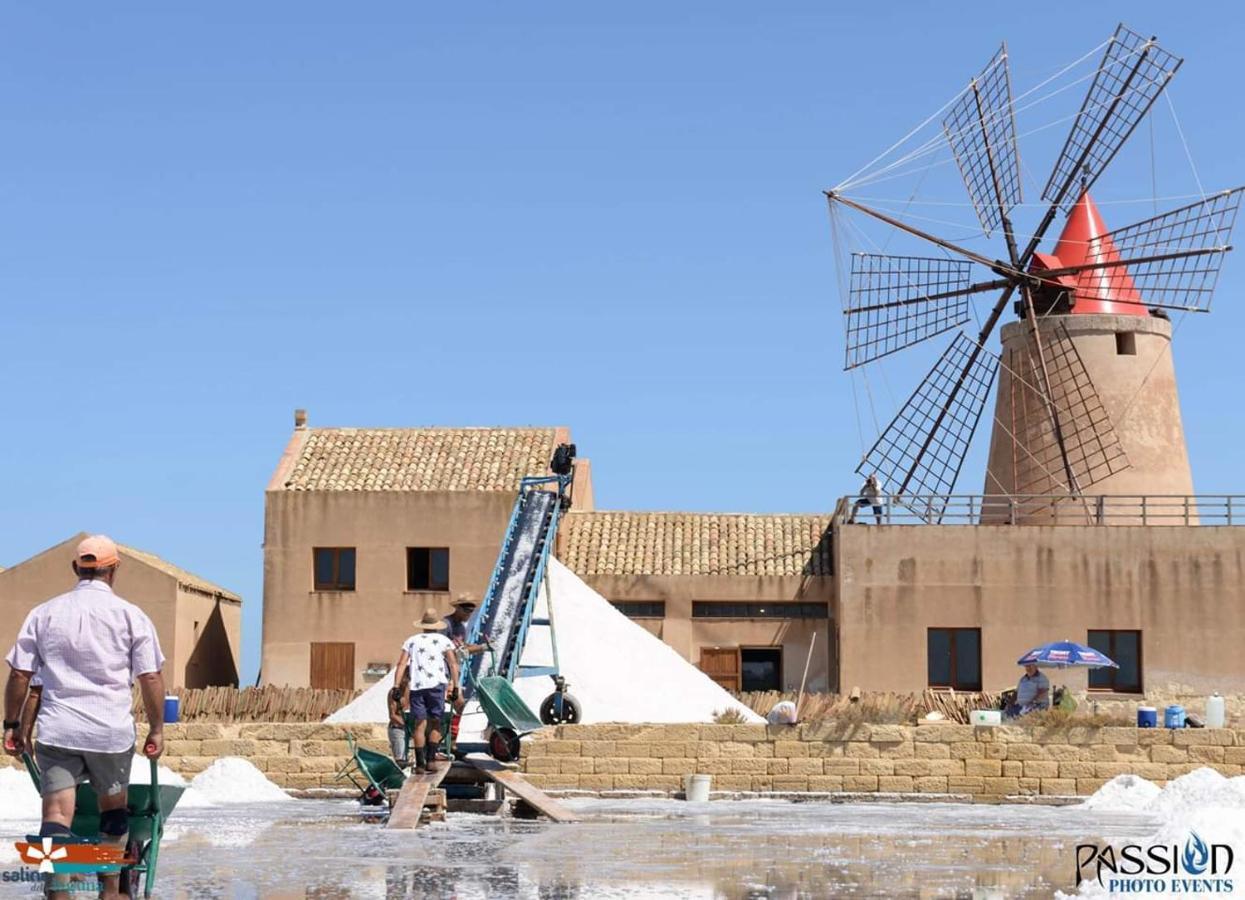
x,y
1184,587
25,586
1138,394
378,615
688,636
209,638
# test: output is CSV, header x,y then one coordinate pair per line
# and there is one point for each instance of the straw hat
x,y
465,600
431,621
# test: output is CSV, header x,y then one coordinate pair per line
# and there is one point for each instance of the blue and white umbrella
x,y
1065,654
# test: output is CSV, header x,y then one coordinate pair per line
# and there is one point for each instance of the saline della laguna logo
x,y
1195,868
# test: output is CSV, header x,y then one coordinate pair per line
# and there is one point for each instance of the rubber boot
x,y
421,760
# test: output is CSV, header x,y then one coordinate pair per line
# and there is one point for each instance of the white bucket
x,y
696,788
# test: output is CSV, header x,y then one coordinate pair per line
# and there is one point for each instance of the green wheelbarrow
x,y
509,718
148,805
373,773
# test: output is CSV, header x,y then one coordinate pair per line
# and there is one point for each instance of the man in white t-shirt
x,y
433,667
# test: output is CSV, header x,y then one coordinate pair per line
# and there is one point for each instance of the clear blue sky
x,y
601,215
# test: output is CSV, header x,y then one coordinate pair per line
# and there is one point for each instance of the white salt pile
x,y
617,670
1123,792
234,780
18,797
1203,801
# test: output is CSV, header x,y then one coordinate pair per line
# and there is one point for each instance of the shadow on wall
x,y
211,662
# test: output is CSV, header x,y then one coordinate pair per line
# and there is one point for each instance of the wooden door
x,y
332,666
722,665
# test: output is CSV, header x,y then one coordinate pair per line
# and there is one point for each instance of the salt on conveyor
x,y
616,669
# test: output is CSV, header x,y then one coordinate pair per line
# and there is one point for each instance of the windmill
x,y
1060,402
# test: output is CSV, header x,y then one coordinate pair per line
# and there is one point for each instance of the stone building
x,y
199,623
366,528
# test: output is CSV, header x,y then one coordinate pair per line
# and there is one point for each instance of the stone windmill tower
x,y
1087,402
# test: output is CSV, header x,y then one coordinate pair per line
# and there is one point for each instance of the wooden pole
x,y
804,678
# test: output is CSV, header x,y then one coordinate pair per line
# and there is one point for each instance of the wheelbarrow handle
x,y
154,799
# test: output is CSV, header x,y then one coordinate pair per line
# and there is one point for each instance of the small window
x,y
641,609
715,609
760,668
1125,343
427,569
1123,648
953,658
334,568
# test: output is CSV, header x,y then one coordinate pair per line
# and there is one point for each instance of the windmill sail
x,y
1092,447
919,455
1133,72
981,129
897,301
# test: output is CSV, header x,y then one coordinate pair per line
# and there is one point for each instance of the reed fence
x,y
254,704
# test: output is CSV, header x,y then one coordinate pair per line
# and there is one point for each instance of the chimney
x,y
300,419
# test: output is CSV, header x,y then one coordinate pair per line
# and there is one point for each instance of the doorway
x,y
760,668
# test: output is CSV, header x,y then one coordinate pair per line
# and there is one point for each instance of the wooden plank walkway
x,y
410,804
522,788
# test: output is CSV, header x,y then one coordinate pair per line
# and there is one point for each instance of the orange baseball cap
x,y
97,552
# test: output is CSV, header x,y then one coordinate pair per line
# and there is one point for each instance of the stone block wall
x,y
977,763
293,755
982,763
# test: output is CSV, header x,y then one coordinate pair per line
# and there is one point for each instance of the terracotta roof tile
x,y
420,459
664,543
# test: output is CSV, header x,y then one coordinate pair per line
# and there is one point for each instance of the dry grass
x,y
883,707
728,717
253,704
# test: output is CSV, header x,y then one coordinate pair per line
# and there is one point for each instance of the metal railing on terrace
x,y
1047,509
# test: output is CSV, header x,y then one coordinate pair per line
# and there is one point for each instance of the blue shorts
x,y
428,703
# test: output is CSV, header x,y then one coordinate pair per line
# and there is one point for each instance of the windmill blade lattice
x,y
922,449
1187,282
1133,72
897,301
1093,448
981,129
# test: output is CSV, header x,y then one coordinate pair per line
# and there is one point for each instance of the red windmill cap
x,y
1085,240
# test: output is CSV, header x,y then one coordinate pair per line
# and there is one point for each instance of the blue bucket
x,y
1173,716
172,709
1147,717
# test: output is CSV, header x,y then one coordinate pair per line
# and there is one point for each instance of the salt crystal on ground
x,y
1123,792
232,779
18,797
618,671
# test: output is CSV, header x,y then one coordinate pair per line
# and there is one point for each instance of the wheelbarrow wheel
x,y
560,708
503,744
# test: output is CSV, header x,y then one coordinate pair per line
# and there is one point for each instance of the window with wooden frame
x,y
1122,646
427,568
333,568
953,658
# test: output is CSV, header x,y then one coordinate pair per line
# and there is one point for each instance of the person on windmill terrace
x,y
871,494
430,658
87,647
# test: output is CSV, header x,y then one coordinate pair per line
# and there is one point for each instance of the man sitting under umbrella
x,y
1032,692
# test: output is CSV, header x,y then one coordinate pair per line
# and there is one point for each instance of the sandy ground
x,y
767,849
